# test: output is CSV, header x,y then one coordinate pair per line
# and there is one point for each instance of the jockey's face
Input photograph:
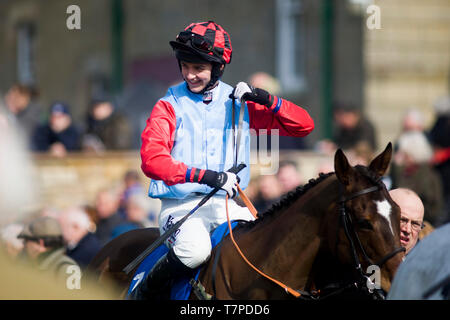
x,y
196,75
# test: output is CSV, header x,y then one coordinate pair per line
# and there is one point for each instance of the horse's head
x,y
369,220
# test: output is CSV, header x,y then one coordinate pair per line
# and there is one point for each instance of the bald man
x,y
411,219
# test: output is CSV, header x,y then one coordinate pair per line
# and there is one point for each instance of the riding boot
x,y
158,280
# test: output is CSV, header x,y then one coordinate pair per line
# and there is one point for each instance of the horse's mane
x,y
290,197
293,195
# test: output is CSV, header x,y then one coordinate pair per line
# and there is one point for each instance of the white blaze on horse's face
x,y
384,208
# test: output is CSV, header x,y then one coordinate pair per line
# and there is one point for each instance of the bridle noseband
x,y
346,222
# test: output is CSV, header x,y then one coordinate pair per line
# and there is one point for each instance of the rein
x,y
295,293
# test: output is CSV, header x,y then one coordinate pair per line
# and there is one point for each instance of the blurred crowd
x,y
421,159
55,131
84,230
41,249
51,237
51,240
420,162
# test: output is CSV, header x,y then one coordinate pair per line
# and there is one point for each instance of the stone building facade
x,y
407,62
122,48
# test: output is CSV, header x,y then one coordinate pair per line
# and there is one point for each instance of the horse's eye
x,y
365,224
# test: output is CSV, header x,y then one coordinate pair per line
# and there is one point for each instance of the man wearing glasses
x,y
411,219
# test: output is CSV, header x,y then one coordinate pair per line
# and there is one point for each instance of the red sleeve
x,y
287,117
157,143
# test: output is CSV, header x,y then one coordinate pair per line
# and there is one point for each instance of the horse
x,y
320,239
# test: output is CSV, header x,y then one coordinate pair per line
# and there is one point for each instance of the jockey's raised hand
x,y
222,180
249,93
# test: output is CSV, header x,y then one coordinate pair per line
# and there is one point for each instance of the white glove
x,y
241,89
222,180
227,181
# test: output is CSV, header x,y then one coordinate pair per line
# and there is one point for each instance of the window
x,y
290,45
25,53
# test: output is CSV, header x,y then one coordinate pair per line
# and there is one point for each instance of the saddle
x,y
181,287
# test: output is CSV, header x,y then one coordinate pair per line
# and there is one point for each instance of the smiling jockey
x,y
187,146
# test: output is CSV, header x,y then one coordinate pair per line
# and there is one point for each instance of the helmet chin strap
x,y
216,73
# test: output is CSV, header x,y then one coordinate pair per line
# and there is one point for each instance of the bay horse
x,y
320,238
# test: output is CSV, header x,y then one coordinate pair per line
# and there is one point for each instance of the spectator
x,y
269,193
107,129
131,185
411,216
326,165
59,135
82,245
22,110
12,245
45,247
106,206
411,169
267,82
17,191
425,268
352,127
141,212
413,120
360,154
288,176
440,139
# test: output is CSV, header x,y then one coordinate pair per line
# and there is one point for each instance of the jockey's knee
x,y
193,255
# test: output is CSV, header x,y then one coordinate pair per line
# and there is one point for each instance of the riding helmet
x,y
204,41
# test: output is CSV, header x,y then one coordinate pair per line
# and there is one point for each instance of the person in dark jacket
x,y
352,128
59,135
107,129
270,192
81,244
21,109
141,212
440,139
411,169
108,218
45,247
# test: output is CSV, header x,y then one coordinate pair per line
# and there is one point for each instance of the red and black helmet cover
x,y
206,39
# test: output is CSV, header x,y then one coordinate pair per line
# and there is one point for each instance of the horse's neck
x,y
291,239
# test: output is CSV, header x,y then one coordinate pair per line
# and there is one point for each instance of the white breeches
x,y
191,242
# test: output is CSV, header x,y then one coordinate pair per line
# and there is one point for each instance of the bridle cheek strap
x,y
347,221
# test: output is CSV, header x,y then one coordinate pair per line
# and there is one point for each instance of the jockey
x,y
187,146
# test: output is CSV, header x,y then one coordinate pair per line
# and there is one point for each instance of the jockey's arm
x,y
283,115
157,143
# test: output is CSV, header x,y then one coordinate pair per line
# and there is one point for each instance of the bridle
x,y
351,234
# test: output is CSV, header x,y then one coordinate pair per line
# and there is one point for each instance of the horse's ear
x,y
342,168
380,164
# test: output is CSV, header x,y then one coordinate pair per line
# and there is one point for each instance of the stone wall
x,y
407,62
76,179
